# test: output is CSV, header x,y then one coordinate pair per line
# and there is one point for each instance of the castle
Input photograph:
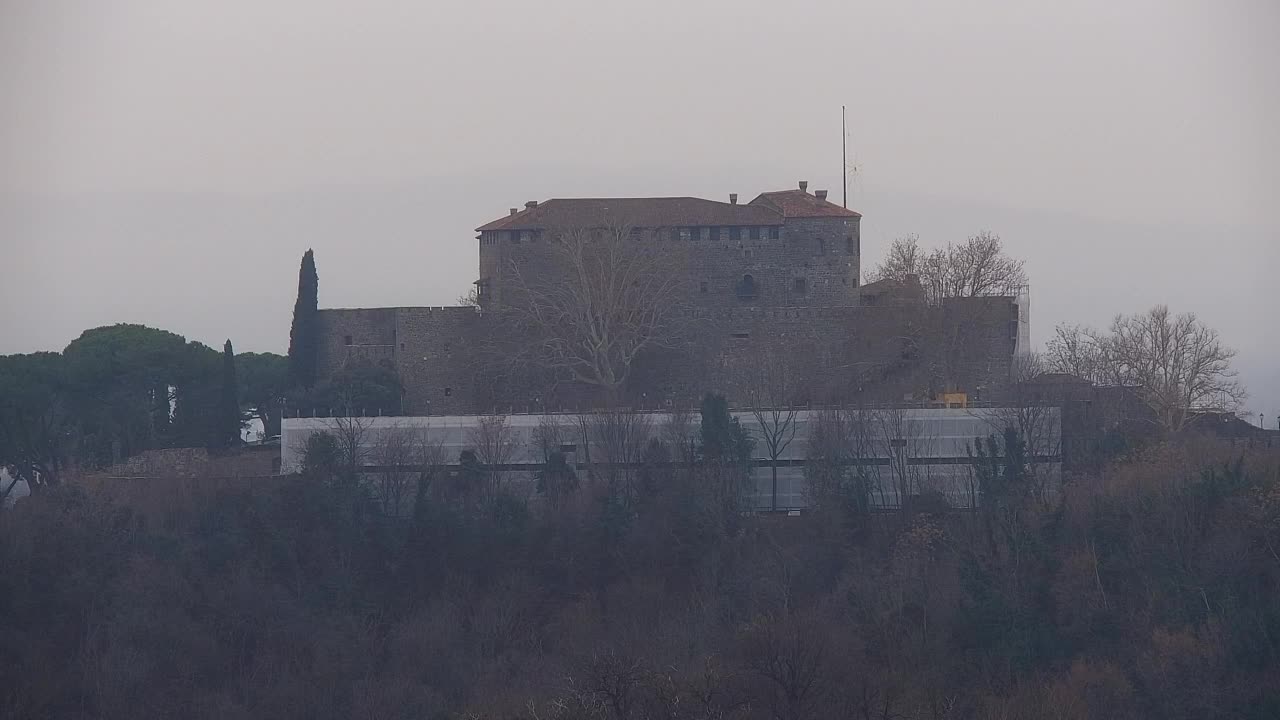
x,y
774,277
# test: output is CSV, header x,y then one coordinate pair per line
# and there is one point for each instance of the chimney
x,y
531,204
821,194
804,186
514,211
733,198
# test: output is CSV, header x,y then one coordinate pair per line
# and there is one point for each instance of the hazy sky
x,y
167,161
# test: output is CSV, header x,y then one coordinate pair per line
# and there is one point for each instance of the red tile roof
x,y
640,212
800,204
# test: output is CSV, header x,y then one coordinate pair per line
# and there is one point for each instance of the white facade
x,y
936,446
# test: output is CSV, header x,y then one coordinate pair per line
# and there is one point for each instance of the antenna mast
x,y
844,159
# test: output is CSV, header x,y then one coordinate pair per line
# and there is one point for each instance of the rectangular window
x,y
754,232
741,336
686,234
514,236
735,234
773,233
346,340
848,245
799,284
702,287
713,233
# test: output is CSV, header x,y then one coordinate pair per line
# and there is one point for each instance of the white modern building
x,y
928,450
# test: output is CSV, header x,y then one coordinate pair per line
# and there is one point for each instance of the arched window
x,y
747,288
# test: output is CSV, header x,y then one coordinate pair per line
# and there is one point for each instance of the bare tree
x,y
772,394
828,454
1076,350
1176,363
903,439
351,435
494,444
615,440
549,435
843,461
1179,364
903,258
978,267
607,297
1037,421
404,456
681,435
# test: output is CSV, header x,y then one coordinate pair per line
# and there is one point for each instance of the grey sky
x,y
167,162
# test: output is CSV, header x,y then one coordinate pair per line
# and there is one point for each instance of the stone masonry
x,y
777,275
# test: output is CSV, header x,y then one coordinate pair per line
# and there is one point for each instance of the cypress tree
x,y
229,424
304,338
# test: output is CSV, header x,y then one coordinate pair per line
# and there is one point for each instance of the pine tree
x,y
229,421
304,335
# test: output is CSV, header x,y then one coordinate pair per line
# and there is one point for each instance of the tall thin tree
x,y
229,419
304,337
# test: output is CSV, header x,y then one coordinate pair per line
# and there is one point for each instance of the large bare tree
x,y
1176,363
1076,350
977,267
607,295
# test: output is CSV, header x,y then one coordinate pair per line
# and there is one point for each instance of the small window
x,y
735,234
686,233
800,285
347,340
401,346
754,232
448,392
514,236
713,233
773,233
637,233
566,449
747,288
597,234
740,335
822,246
448,347
848,245
702,287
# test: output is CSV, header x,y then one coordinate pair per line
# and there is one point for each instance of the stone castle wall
x,y
884,353
813,262
805,311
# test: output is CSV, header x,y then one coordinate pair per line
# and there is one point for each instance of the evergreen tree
x,y
229,421
723,438
304,340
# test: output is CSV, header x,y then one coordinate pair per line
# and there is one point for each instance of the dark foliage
x,y
1146,591
113,392
304,334
230,421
